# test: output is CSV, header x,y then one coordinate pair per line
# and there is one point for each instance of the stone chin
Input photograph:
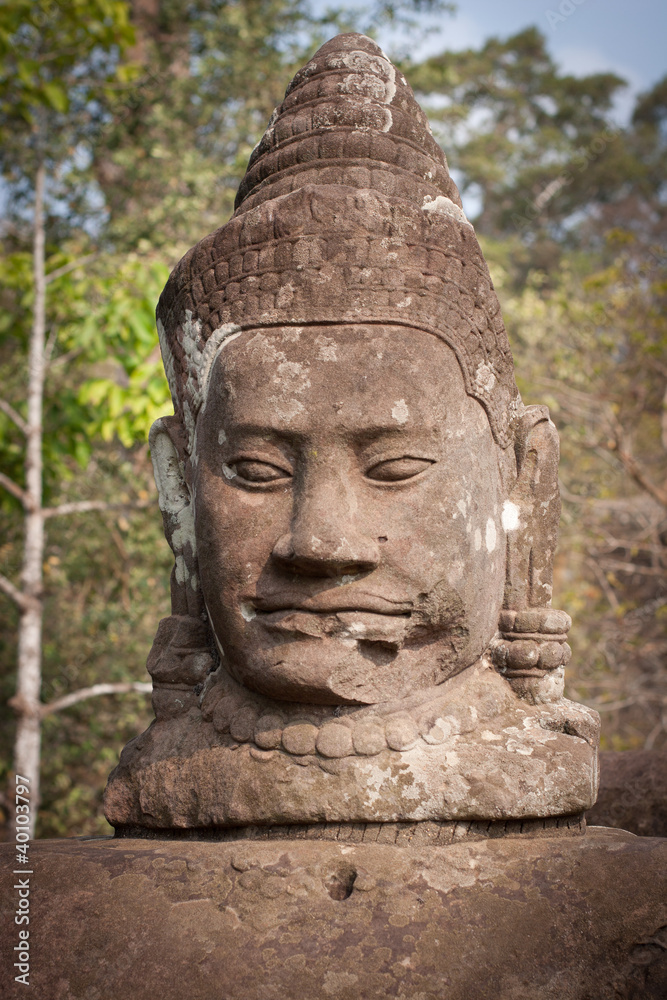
x,y
353,661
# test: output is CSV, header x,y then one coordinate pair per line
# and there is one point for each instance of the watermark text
x,y
22,880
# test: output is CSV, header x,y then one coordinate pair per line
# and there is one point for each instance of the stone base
x,y
515,918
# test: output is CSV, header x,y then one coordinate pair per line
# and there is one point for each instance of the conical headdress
x,y
346,214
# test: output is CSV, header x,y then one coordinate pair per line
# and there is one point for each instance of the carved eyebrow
x,y
393,428
362,435
372,433
264,432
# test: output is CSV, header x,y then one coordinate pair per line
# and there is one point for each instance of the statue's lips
x,y
371,622
329,604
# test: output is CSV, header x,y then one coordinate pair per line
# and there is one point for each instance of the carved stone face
x,y
347,508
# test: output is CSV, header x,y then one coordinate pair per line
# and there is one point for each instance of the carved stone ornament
x,y
362,511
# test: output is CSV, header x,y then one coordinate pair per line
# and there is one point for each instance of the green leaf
x,y
55,95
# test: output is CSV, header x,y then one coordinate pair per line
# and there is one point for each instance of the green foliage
x,y
105,378
122,328
61,67
44,43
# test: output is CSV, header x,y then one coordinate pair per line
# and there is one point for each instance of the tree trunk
x,y
28,730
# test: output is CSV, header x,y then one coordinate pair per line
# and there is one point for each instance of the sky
x,y
628,37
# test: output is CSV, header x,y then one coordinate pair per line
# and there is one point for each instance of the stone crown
x,y
346,214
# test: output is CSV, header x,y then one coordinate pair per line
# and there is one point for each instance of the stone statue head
x,y
361,509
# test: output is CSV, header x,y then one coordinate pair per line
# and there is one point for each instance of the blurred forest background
x,y
135,120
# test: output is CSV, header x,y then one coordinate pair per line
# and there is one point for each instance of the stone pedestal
x,y
560,915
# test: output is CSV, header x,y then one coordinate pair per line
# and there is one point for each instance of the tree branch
x,y
632,467
93,692
14,416
15,490
16,595
604,584
50,344
62,359
612,706
555,383
66,268
633,568
622,448
626,504
84,506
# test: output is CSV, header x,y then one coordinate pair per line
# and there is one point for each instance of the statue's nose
x,y
324,539
316,556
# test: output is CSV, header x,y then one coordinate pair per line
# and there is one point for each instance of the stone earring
x,y
531,651
180,660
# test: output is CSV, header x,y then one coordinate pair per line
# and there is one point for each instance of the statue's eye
x,y
259,472
396,469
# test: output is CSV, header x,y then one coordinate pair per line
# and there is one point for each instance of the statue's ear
x,y
167,444
532,512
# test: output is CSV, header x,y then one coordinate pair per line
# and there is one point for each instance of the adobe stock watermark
x,y
580,161
565,9
22,875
